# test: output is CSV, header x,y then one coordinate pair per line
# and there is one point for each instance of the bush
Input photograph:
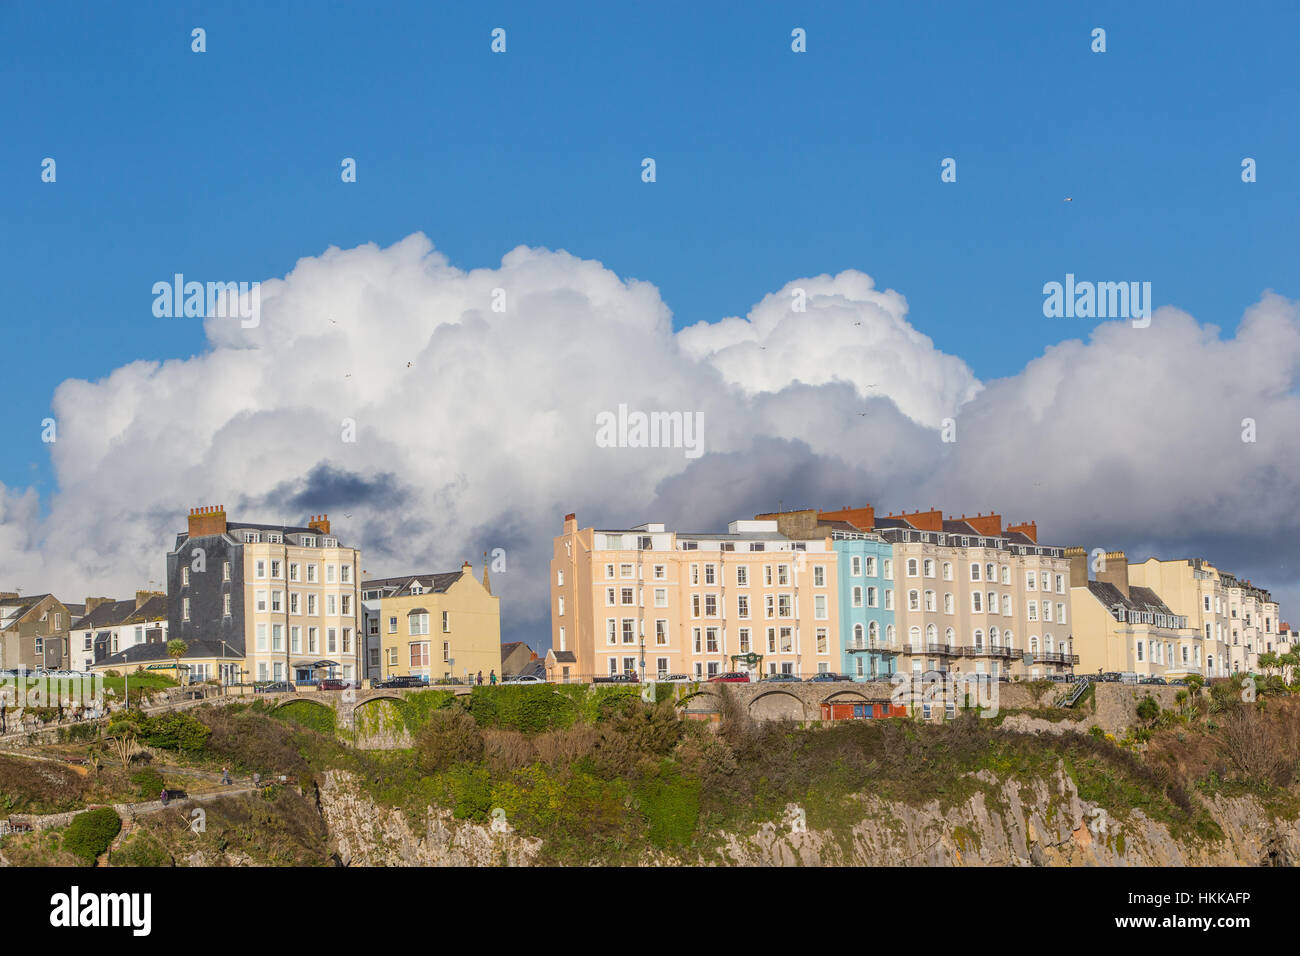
x,y
317,717
1148,709
90,833
450,737
148,784
174,731
141,849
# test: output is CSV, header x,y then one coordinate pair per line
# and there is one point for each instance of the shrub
x,y
148,784
90,833
141,849
450,737
1148,709
174,731
317,717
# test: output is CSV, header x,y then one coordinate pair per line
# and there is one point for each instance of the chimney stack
x,y
207,520
1078,566
1115,571
142,598
94,602
320,522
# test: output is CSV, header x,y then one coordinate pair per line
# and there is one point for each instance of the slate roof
x,y
157,653
437,583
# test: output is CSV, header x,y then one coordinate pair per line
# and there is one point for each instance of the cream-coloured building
x,y
433,625
970,596
1236,620
1127,628
653,602
265,602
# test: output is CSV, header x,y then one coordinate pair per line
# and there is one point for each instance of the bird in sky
x,y
1069,199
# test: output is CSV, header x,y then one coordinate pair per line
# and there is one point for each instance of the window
x,y
420,654
331,604
417,623
629,630
1031,610
993,602
1006,575
259,569
329,574
857,595
914,600
446,649
974,572
947,603
742,606
661,632
871,597
311,574
277,637
976,602
225,570
185,609
392,625
661,597
855,565
625,571
313,642
185,576
929,601
871,566
345,574
331,642
947,570
261,637
929,568
742,576
261,601
294,602
446,622
660,572
276,601
911,567
819,607
743,635
559,577
225,605
275,569
821,640
819,576
1030,583
293,571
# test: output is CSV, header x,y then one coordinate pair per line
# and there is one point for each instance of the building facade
x,y
970,596
433,626
267,602
33,632
654,603
1127,628
109,627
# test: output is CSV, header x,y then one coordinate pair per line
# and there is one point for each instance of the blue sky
x,y
771,165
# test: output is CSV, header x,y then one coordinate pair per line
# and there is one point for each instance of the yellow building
x,y
1127,628
432,625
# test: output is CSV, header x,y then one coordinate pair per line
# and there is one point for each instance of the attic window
x,y
416,589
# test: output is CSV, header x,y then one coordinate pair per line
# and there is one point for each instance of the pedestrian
x,y
163,796
257,779
480,678
225,776
492,678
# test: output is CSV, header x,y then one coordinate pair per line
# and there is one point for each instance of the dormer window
x,y
309,541
251,537
330,543
416,589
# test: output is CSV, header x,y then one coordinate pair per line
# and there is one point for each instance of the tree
x,y
176,649
122,732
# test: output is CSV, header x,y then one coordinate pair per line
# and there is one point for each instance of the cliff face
x,y
1014,823
368,835
1039,823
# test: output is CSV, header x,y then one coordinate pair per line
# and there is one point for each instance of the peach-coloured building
x,y
654,603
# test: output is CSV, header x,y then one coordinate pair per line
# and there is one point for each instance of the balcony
x,y
942,650
1054,657
985,650
877,646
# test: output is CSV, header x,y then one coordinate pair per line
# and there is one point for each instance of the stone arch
x,y
777,705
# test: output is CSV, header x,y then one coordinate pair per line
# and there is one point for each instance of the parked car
x,y
173,793
731,677
524,679
402,680
1153,680
675,679
336,683
617,679
274,687
824,678
1178,682
1110,677
782,679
